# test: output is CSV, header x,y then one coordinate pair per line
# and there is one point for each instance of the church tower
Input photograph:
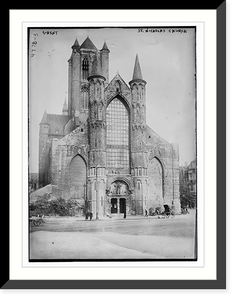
x,y
138,150
80,67
74,80
97,140
100,151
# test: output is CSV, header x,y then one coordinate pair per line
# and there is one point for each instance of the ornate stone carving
x,y
97,124
118,188
138,126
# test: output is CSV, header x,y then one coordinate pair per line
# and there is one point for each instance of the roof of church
x,y
56,122
117,77
87,44
44,118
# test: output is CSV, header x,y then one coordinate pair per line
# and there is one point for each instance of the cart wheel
x,y
35,223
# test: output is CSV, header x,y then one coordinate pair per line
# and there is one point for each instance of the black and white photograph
x,y
112,144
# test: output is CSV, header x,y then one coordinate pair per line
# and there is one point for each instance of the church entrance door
x,y
119,196
122,205
114,206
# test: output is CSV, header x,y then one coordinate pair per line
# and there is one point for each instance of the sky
x,y
167,60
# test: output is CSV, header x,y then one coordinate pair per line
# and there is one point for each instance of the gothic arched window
x,y
77,172
117,119
85,68
85,92
156,182
139,185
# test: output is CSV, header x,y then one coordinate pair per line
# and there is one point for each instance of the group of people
x,y
89,215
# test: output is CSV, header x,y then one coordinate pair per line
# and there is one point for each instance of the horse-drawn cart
x,y
168,212
37,221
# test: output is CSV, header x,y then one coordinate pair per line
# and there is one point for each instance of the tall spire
x,y
137,73
65,107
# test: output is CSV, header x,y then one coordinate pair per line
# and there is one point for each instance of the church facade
x,y
100,151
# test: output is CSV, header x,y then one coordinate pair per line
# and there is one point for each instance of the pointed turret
x,y
76,46
105,47
137,73
105,62
137,86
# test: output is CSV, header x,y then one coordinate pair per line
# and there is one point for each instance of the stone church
x,y
100,151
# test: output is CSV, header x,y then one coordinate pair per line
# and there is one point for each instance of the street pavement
x,y
136,237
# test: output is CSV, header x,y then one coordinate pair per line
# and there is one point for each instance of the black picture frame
x,y
220,282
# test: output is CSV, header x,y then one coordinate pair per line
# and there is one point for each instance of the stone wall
x,y
63,152
162,180
168,155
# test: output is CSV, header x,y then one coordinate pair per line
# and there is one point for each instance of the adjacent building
x,y
188,184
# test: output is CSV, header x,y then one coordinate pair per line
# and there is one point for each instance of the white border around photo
x,y
205,267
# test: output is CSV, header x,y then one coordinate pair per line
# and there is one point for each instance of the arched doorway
x,y
155,183
78,180
118,195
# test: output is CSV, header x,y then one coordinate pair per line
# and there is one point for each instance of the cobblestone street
x,y
136,237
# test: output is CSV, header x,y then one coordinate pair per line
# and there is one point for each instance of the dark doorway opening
x,y
114,207
122,205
